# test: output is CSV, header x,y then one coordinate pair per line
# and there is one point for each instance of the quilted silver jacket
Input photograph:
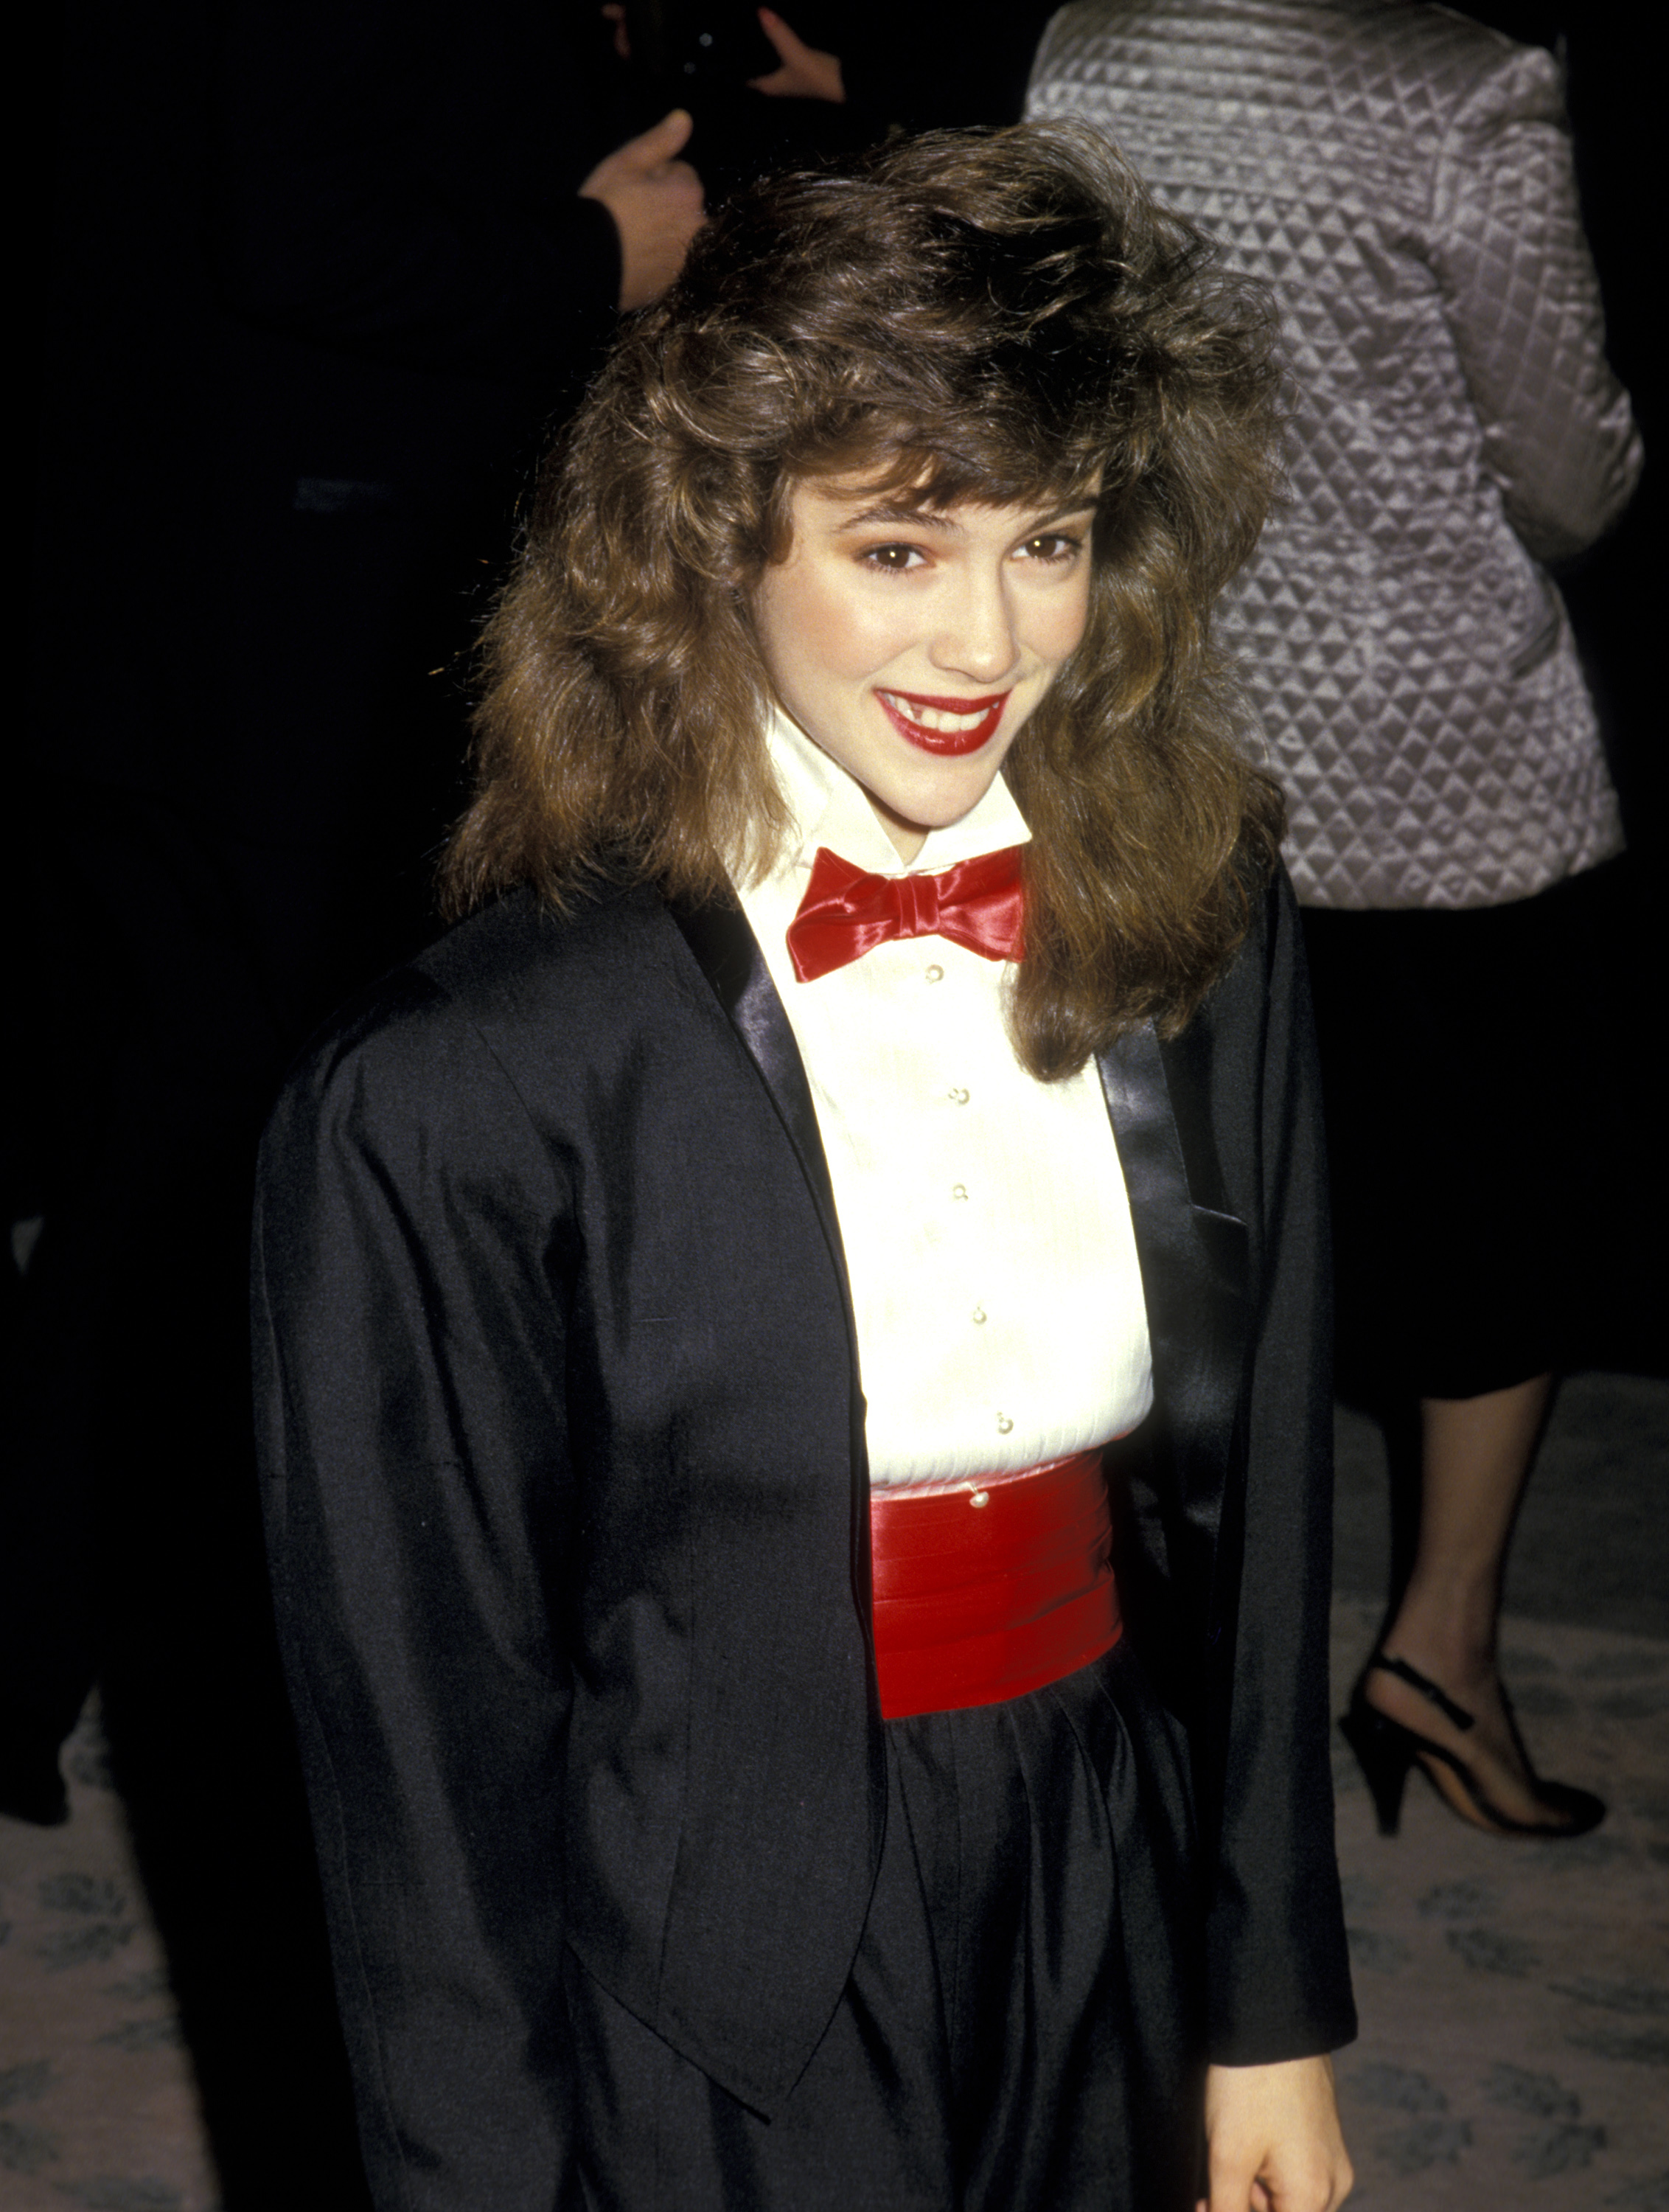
x,y
1403,177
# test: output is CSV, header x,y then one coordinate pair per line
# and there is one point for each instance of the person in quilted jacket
x,y
1403,176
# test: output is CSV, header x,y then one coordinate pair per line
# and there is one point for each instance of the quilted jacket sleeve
x,y
1523,302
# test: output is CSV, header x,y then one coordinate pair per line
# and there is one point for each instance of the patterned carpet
x,y
97,2103
1514,1996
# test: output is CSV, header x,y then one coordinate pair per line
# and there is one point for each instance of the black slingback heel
x,y
1386,1750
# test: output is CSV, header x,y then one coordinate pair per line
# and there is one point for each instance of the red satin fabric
x,y
847,911
974,1604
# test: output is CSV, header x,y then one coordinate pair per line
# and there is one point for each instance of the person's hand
x,y
656,202
806,74
1274,2140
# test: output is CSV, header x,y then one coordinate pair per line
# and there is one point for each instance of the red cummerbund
x,y
995,1588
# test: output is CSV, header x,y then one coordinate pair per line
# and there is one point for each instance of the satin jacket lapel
x,y
728,955
1193,1261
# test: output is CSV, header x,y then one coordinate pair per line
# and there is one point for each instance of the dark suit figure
x,y
318,279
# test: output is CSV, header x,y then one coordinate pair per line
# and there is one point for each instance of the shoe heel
x,y
1383,1757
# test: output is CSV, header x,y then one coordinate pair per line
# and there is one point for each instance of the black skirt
x,y
1477,1118
1022,2030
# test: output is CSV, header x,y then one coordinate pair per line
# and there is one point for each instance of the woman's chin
x,y
907,837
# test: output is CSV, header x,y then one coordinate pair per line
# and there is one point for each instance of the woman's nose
x,y
976,638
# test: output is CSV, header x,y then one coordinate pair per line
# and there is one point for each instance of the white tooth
x,y
935,717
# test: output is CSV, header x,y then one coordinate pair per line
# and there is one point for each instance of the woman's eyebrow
x,y
895,514
1074,509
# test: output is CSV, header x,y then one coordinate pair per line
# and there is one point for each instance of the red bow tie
x,y
845,912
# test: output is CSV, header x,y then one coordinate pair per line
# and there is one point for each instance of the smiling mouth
x,y
943,725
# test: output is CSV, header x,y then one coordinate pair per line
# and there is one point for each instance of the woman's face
x,y
912,644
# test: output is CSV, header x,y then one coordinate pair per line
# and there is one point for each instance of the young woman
x,y
797,1407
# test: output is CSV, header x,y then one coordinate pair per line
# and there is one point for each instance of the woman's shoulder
x,y
519,956
1261,968
517,960
514,989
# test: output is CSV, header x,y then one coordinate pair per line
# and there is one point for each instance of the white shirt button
x,y
959,1190
936,974
1004,1425
979,1313
959,1098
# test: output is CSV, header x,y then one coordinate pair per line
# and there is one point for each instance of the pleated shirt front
x,y
987,1226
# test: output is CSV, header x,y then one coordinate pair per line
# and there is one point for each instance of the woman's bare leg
x,y
1475,1458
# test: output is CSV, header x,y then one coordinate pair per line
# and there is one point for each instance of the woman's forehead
x,y
992,470
861,502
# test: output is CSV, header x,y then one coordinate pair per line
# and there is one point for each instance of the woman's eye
x,y
892,558
1051,545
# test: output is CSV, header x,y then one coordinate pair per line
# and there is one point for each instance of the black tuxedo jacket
x,y
566,1493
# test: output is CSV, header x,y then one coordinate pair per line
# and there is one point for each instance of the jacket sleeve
x,y
409,1292
1522,301
1278,1972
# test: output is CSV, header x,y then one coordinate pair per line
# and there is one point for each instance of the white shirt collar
x,y
830,807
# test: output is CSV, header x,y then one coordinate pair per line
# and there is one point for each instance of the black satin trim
x,y
724,948
727,952
1194,1261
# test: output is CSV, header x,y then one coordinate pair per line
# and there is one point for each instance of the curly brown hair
x,y
1005,317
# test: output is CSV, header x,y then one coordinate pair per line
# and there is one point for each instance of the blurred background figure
x,y
836,74
1403,177
314,279
1613,594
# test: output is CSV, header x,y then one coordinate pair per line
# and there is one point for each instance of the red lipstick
x,y
966,737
